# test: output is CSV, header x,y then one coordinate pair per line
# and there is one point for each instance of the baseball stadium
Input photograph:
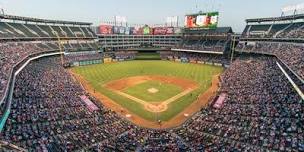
x,y
216,78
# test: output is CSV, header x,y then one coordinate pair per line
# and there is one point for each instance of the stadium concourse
x,y
43,108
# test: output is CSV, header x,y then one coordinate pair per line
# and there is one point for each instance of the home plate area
x,y
152,90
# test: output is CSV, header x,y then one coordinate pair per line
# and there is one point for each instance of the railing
x,y
6,89
294,73
291,40
197,51
11,147
291,81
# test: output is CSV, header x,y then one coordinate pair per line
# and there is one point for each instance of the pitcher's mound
x,y
152,90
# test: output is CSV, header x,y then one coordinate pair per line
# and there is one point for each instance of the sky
x,y
232,12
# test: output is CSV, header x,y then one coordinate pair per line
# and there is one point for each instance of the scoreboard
x,y
202,20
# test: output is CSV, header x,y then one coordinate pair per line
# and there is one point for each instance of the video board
x,y
202,20
163,30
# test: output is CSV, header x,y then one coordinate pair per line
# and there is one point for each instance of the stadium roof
x,y
30,19
281,18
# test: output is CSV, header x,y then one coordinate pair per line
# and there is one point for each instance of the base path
x,y
174,122
160,106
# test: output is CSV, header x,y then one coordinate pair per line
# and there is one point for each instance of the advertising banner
x,y
127,31
146,30
137,31
105,29
122,30
131,29
177,30
116,30
169,31
159,31
163,31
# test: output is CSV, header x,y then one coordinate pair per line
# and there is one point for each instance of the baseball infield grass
x,y
100,74
163,91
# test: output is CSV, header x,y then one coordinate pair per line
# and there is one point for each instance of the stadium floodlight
x,y
293,8
300,7
172,21
120,20
289,8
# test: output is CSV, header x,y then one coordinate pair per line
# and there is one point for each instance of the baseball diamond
x,y
176,86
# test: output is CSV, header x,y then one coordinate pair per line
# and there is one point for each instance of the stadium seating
x,y
210,40
291,53
19,30
262,111
11,54
295,30
204,45
194,57
125,55
42,117
82,56
275,30
20,40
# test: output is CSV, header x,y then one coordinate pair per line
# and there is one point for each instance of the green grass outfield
x,y
165,91
100,74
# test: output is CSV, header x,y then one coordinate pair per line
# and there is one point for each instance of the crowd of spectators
x,y
194,57
290,53
138,139
70,47
82,56
125,55
262,112
80,46
48,114
296,30
10,54
203,45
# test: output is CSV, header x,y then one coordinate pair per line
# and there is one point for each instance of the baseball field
x,y
151,91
